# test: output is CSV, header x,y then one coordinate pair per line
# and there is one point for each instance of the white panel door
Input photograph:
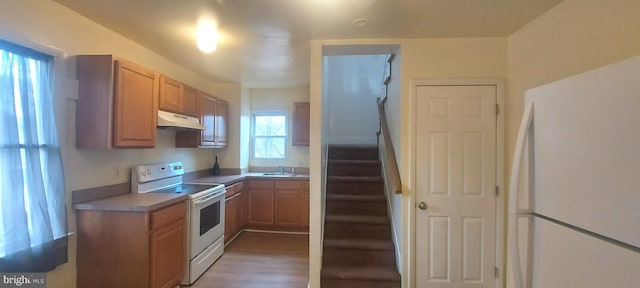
x,y
455,178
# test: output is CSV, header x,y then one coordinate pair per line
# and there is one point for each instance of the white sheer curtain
x,y
32,205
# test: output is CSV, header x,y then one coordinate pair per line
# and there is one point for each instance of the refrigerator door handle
x,y
514,250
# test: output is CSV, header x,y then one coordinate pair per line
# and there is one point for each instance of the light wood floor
x,y
262,260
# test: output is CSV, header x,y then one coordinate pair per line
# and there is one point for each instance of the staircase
x,y
358,251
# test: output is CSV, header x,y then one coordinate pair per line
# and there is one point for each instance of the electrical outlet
x,y
117,171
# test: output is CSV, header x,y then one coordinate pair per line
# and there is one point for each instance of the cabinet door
x,y
244,209
167,255
230,217
305,205
301,122
261,207
222,116
136,106
208,106
287,208
170,98
190,101
240,212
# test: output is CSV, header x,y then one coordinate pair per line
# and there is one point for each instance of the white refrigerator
x,y
575,221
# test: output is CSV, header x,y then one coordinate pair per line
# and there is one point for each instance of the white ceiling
x,y
265,43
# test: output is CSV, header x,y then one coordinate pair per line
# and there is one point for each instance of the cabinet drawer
x,y
239,186
306,185
293,185
261,184
167,215
233,189
230,191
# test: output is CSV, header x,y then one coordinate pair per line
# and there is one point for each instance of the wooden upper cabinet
x,y
214,115
301,122
136,106
117,104
208,108
170,95
190,101
222,116
178,97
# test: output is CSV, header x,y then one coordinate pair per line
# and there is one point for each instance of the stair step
x,y
359,243
361,272
358,251
357,197
355,185
356,230
357,179
357,219
353,152
374,204
348,283
357,162
340,167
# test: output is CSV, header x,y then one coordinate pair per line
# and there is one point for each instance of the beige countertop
x,y
134,202
142,202
231,179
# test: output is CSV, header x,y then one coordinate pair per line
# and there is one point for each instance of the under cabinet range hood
x,y
178,121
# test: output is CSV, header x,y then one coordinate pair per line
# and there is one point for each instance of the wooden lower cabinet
x,y
230,217
288,200
305,205
278,204
131,249
165,270
288,211
261,207
235,211
243,211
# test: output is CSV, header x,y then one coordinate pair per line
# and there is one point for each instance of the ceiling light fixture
x,y
360,22
207,36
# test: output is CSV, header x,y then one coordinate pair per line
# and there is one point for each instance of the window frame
x,y
286,136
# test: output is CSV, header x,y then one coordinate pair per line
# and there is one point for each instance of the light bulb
x,y
207,44
207,37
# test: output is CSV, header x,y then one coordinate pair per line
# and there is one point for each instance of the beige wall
x,y
281,99
573,37
46,25
436,59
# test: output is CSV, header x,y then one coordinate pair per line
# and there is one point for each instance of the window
x,y
269,135
32,206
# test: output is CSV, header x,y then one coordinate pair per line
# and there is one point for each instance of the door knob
x,y
422,206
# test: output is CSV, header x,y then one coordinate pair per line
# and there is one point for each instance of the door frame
x,y
500,171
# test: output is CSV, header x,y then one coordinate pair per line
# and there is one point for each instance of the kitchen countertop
x,y
143,202
231,179
133,202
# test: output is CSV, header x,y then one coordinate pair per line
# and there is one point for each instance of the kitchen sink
x,y
279,174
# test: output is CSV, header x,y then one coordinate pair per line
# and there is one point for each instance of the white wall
x,y
573,37
281,99
354,82
45,23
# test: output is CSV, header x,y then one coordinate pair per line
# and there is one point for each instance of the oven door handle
x,y
206,198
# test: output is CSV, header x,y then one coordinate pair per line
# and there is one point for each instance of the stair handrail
x,y
391,164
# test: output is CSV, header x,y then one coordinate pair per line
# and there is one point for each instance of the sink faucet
x,y
280,169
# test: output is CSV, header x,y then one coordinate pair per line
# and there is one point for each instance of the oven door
x,y
207,221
